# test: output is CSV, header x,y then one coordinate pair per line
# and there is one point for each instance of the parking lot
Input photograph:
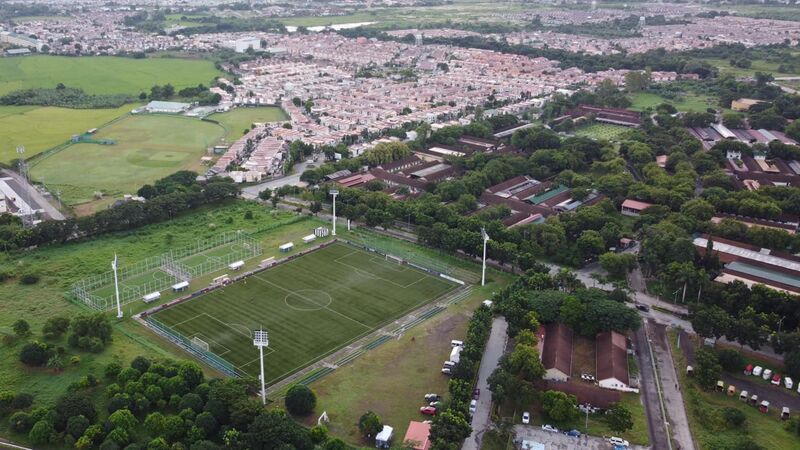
x,y
559,441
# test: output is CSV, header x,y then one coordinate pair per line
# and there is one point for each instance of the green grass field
x,y
758,65
148,147
601,131
40,128
311,306
240,119
103,74
688,102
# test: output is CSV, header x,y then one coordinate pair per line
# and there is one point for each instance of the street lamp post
x,y
261,340
334,193
116,286
483,270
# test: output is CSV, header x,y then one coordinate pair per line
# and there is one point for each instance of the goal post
x,y
199,343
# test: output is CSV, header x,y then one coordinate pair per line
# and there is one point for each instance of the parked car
x,y
788,383
757,371
447,371
473,406
432,397
748,369
642,307
618,441
573,433
776,379
766,374
476,393
455,343
435,404
428,410
549,428
587,377
526,417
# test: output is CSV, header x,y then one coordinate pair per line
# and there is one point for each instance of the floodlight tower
x,y
485,240
334,193
261,340
116,286
23,171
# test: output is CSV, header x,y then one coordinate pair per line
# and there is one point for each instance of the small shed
x,y
182,286
754,399
764,406
151,297
731,390
784,413
743,396
236,265
689,371
285,248
309,238
720,385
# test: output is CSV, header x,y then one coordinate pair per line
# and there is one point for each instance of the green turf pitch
x,y
311,307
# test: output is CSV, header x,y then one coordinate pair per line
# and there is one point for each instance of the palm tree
x,y
56,363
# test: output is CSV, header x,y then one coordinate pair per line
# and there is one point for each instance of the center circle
x,y
308,300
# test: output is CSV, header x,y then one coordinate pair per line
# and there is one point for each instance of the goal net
x,y
199,343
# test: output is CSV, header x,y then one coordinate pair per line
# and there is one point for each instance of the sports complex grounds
x,y
312,306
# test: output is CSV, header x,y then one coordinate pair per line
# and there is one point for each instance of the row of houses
x,y
716,132
613,116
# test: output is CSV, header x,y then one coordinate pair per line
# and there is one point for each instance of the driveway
x,y
491,356
559,441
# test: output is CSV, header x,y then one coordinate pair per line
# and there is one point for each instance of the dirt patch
x,y
583,356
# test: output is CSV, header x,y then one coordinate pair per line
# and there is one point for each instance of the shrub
x,y
29,279
20,422
55,327
112,370
141,364
73,404
731,360
22,401
21,328
369,424
300,400
77,425
733,417
41,432
35,354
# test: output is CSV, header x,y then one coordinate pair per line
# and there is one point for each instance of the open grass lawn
x,y
704,410
311,306
147,148
392,379
103,74
40,128
240,119
758,65
603,131
688,102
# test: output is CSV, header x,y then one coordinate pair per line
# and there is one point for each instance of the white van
x,y
767,374
455,343
757,371
788,383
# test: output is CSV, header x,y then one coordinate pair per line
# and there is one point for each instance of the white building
x,y
241,45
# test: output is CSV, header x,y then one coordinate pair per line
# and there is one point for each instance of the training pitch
x,y
311,306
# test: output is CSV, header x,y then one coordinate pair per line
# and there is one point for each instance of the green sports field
x,y
40,128
311,306
239,119
148,147
103,74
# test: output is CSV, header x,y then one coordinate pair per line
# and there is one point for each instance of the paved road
x,y
649,392
673,400
559,441
491,356
251,192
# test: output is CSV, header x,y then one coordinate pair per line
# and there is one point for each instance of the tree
x,y
191,373
300,400
41,432
525,363
619,418
698,209
590,244
123,419
21,328
141,364
710,321
448,431
792,362
34,354
733,120
265,194
617,264
369,424
560,406
793,130
707,368
55,327
731,360
637,80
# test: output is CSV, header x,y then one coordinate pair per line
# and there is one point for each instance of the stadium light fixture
x,y
485,240
116,286
334,193
261,340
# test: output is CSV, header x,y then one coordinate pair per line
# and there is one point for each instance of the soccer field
x,y
311,307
